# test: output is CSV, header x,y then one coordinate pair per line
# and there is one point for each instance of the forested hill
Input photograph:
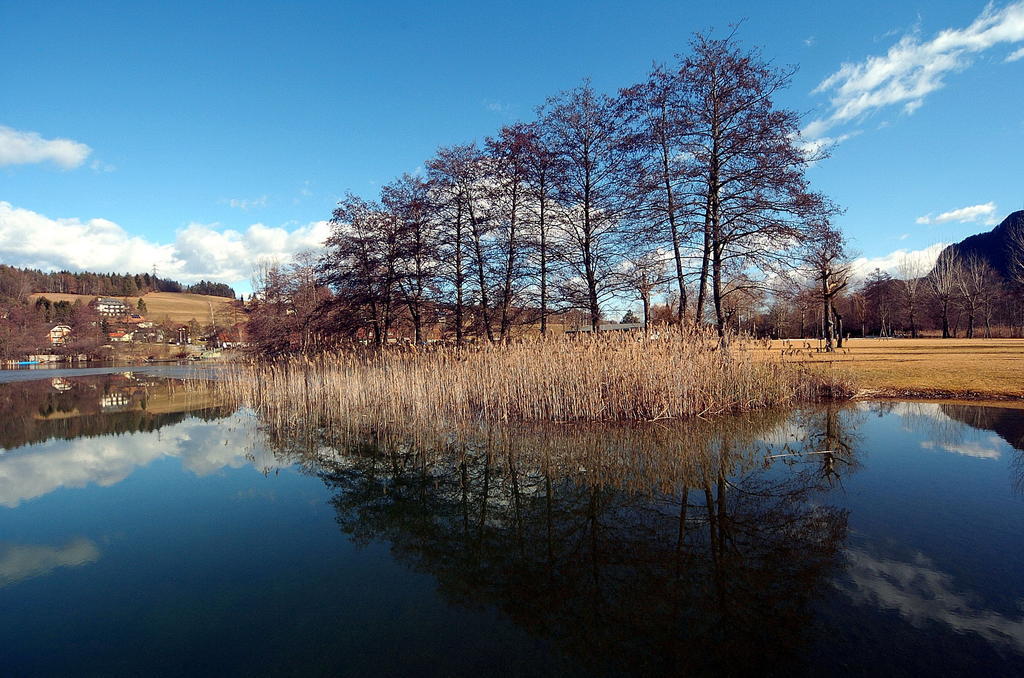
x,y
994,247
17,283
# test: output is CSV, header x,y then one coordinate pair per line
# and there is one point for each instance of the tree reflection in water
x,y
636,549
92,406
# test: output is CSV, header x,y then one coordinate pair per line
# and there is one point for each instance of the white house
x,y
111,307
59,335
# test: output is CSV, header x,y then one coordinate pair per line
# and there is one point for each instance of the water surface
x,y
146,528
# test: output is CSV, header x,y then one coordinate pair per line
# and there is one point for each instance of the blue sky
x,y
202,136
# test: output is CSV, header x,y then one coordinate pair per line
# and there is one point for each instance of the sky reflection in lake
x,y
146,529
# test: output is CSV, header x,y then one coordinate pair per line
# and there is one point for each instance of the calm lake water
x,y
146,529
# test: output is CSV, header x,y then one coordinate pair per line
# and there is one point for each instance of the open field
x,y
172,306
920,368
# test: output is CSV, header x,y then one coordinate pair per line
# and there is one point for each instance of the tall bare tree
x,y
911,273
756,200
661,135
510,155
826,256
542,169
407,200
1015,236
977,283
584,128
943,282
451,174
360,264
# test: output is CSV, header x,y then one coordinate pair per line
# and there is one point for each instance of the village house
x,y
608,327
111,307
59,335
149,335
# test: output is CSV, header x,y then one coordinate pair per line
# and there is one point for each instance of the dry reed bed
x,y
593,378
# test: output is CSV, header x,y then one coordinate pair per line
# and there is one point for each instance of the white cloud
x,y
495,106
202,446
889,263
34,240
912,69
232,254
206,251
922,594
964,215
986,448
1016,55
813,146
23,561
21,148
246,204
100,166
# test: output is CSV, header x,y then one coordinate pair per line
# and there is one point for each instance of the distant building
x,y
149,335
120,335
610,327
135,319
59,335
183,335
115,401
111,307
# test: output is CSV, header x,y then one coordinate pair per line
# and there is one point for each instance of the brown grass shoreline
x,y
937,369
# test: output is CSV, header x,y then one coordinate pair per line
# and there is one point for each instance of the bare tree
x,y
510,155
584,131
451,173
542,167
1015,236
911,273
360,264
646,273
756,200
943,283
407,201
977,283
661,135
826,257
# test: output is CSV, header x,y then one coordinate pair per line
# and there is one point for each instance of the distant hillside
x,y
993,247
173,306
13,280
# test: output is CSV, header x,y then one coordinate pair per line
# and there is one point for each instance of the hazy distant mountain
x,y
993,246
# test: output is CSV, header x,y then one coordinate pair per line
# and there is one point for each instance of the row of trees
x,y
692,180
958,295
25,328
689,186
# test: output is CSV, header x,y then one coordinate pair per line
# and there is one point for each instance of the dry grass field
x,y
975,369
172,306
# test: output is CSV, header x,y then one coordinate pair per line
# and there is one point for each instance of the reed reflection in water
x,y
675,548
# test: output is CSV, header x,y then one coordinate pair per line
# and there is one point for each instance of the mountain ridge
x,y
992,246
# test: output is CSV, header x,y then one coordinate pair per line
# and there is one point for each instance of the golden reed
x,y
620,377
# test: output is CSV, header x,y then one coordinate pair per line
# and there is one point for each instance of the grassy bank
x,y
968,369
613,378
